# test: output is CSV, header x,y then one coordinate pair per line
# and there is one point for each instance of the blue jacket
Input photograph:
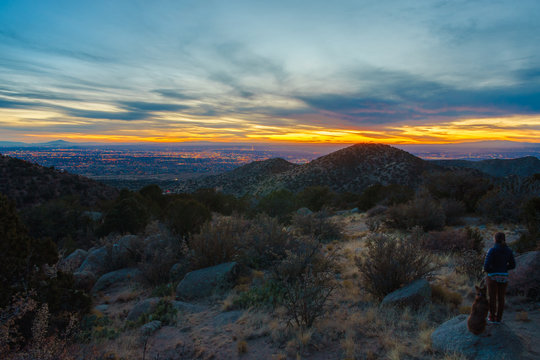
x,y
499,259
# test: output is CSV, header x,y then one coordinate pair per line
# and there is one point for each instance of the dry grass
x,y
523,316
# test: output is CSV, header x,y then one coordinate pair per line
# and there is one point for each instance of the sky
x,y
427,71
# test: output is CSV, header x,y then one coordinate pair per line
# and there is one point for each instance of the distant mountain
x,y
31,184
351,169
525,166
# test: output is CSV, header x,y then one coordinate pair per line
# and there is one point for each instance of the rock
x,y
122,251
73,261
498,342
178,271
96,262
304,211
414,295
143,307
102,308
150,328
185,307
115,277
204,282
84,280
228,317
525,278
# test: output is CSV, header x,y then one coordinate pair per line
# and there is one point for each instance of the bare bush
x,y
307,275
453,240
317,225
257,243
422,211
389,263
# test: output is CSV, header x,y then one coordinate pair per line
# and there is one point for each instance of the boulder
x,y
304,211
228,317
150,328
178,271
84,280
123,251
116,277
525,278
414,295
498,341
73,261
96,262
205,282
143,307
185,307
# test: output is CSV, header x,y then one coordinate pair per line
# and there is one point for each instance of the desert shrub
x,y
219,241
307,276
453,240
164,312
219,202
453,210
265,242
500,206
270,294
154,200
389,263
186,216
461,185
279,204
422,211
531,218
257,243
315,197
379,194
21,256
95,327
317,225
158,251
128,214
470,263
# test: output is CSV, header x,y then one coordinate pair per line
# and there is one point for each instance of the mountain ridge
x,y
352,169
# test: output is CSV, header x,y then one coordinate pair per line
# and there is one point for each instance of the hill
x,y
242,180
525,166
30,184
351,169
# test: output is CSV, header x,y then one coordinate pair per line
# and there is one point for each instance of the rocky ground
x,y
208,326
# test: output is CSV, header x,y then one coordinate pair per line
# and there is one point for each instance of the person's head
x,y
500,238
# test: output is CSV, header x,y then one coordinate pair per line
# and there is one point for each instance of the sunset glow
x,y
258,73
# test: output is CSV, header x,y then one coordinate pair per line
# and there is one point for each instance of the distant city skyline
x,y
270,72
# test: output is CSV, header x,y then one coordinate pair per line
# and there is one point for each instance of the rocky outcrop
x,y
96,262
143,307
414,295
498,341
73,261
150,328
123,251
84,280
178,271
116,277
204,282
525,278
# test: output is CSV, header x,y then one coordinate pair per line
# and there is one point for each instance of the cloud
x,y
151,107
123,115
173,94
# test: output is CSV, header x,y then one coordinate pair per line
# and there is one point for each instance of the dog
x,y
477,320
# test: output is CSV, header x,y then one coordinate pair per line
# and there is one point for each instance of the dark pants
x,y
496,292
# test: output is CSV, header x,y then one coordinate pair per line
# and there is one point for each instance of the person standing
x,y
499,260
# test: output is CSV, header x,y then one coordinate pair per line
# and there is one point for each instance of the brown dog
x,y
480,307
